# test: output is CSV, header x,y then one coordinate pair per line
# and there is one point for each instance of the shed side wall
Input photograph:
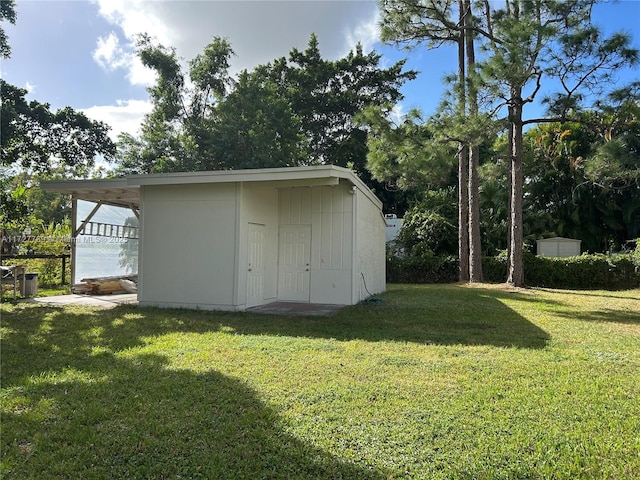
x,y
568,249
370,249
188,246
558,247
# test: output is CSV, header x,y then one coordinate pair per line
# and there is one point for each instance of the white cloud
x,y
259,31
29,87
131,17
124,117
109,54
138,74
136,16
397,114
367,33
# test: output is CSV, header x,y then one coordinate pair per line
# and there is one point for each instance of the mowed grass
x,y
438,382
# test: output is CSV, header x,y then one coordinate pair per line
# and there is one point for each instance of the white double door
x,y
294,257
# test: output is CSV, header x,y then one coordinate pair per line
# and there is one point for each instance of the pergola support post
x,y
74,212
135,210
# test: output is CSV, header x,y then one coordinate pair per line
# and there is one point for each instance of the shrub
x,y
619,272
494,269
423,232
582,272
426,268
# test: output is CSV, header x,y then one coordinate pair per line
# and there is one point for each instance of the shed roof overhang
x,y
125,191
112,191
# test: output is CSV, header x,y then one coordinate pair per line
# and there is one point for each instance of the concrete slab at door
x,y
294,259
255,265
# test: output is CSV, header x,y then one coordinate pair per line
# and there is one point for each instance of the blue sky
x,y
79,53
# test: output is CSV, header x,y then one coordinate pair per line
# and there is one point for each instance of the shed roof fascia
x,y
232,176
96,184
129,186
284,176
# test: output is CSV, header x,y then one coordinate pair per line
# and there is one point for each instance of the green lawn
x,y
451,381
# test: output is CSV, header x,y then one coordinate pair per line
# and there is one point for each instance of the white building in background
x,y
558,247
393,225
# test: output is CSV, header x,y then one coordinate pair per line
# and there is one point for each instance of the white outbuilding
x,y
394,224
231,240
558,247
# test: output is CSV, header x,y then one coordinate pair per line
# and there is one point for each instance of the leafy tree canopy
x,y
293,111
409,153
36,141
8,13
35,138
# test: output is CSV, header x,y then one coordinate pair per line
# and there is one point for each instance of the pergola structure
x,y
114,192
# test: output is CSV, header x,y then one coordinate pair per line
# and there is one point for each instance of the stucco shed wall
x,y
187,246
558,247
369,250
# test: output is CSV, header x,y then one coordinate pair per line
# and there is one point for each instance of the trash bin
x,y
30,283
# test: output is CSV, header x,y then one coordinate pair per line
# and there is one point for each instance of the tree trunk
x,y
475,244
463,215
515,274
509,183
463,201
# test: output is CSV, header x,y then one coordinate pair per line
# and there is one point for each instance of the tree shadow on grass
x,y
604,315
628,315
78,402
464,316
591,293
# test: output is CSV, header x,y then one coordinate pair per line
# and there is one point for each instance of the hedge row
x,y
423,269
618,272
606,272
